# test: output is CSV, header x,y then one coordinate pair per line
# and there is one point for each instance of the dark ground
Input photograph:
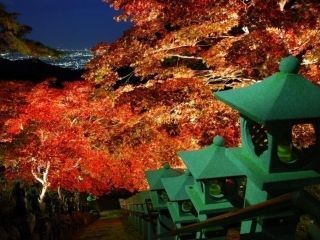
x,y
112,225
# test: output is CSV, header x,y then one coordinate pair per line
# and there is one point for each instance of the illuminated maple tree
x,y
49,145
152,89
177,53
243,39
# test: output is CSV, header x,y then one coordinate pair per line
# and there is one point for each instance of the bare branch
x,y
129,75
228,76
282,4
187,57
172,47
36,176
45,174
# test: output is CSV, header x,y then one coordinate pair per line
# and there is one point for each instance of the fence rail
x,y
251,212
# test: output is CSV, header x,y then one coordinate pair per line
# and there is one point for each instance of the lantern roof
x,y
283,96
175,186
210,162
154,176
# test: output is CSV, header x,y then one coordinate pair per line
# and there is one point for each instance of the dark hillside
x,y
35,70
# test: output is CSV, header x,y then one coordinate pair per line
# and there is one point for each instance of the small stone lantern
x,y
180,206
159,196
218,184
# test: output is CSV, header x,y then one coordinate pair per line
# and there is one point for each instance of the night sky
x,y
68,24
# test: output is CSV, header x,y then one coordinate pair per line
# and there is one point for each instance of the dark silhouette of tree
x,y
12,37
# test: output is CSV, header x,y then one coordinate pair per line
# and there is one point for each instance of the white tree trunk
x,y
43,179
43,192
60,193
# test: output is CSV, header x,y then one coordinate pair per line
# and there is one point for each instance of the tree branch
x,y
37,177
282,4
191,45
187,57
173,47
45,174
43,181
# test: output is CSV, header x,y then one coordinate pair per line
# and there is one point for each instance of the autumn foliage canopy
x,y
149,94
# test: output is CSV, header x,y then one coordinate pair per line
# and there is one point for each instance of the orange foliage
x,y
174,50
50,130
152,94
95,142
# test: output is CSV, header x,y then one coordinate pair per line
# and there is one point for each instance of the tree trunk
x,y
42,177
43,192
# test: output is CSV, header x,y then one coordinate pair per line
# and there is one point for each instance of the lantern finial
x,y
289,64
218,141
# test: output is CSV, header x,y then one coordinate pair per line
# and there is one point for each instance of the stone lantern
x,y
280,131
159,196
180,206
218,184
